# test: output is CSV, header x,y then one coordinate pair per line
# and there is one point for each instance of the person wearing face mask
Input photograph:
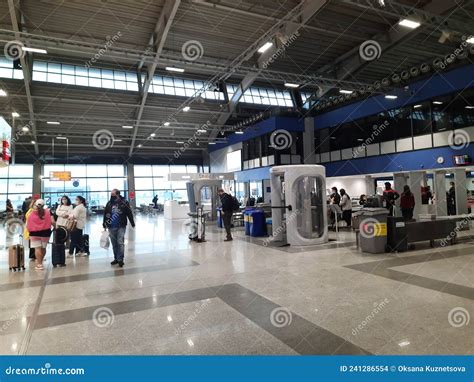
x,y
39,224
63,210
116,213
78,217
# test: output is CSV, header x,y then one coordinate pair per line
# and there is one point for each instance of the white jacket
x,y
346,203
62,211
80,215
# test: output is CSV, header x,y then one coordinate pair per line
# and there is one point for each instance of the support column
x,y
37,170
400,179
131,185
439,182
417,178
308,142
461,190
206,160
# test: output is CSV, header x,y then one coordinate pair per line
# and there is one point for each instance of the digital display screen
x,y
461,160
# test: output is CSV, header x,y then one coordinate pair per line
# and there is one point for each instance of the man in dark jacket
x,y
116,213
227,209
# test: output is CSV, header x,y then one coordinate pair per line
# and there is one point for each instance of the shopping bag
x,y
104,240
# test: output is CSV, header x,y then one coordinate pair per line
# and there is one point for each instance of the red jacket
x,y
407,201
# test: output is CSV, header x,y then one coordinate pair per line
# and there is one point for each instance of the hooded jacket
x,y
124,211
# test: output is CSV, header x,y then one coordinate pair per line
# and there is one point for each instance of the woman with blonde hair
x,y
39,225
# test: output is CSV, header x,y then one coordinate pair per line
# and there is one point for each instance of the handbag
x,y
71,225
104,240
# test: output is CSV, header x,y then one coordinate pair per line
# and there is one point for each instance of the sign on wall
x,y
63,176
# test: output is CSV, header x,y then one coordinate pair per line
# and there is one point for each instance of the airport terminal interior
x,y
202,177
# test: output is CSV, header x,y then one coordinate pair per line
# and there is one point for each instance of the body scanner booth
x,y
203,193
298,195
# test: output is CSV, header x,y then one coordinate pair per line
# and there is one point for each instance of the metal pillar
x,y
439,182
308,142
131,186
461,190
37,169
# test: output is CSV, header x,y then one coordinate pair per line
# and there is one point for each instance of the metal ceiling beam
x,y
299,16
26,71
159,37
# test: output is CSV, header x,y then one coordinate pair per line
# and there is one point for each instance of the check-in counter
x,y
173,210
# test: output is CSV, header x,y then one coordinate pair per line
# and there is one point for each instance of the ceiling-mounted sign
x,y
63,176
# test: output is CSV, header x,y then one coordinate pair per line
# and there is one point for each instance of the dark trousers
x,y
227,220
347,216
76,241
407,213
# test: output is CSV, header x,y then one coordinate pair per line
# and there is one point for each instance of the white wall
x,y
218,158
354,186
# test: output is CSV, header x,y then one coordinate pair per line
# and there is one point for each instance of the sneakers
x,y
121,264
228,239
82,254
70,254
114,262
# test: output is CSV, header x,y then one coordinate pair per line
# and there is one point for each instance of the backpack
x,y
235,204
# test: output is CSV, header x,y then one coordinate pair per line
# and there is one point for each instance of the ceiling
x,y
322,57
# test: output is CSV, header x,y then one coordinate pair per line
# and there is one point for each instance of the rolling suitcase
x,y
58,255
85,244
16,257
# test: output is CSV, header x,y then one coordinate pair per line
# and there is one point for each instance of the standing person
x,y
116,213
363,200
155,202
451,199
9,209
426,195
407,203
78,215
226,212
346,206
39,224
390,196
26,205
26,233
335,198
62,212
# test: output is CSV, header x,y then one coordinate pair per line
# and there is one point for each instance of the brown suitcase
x,y
16,257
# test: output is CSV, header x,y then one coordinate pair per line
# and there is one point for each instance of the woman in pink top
x,y
39,225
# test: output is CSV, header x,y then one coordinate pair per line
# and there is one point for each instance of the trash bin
x,y
247,221
220,223
257,223
269,226
373,230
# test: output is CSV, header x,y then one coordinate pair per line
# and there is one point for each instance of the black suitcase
x,y
58,255
85,244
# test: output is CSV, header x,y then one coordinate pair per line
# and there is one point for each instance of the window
x,y
16,183
234,161
421,118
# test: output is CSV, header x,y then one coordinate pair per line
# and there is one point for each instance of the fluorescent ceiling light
x,y
417,106
166,124
290,85
470,40
409,23
61,137
469,107
152,135
174,69
179,142
117,140
15,114
342,91
239,132
127,127
265,47
53,123
389,96
140,145
3,93
212,143
25,128
34,50
186,108
437,103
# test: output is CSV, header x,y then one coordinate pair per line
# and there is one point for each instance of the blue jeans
x,y
117,237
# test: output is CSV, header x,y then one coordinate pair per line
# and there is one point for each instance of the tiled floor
x,y
179,297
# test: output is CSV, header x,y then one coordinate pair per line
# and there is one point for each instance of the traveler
x,y
26,233
39,224
346,206
155,202
335,198
389,197
407,203
227,210
426,195
116,213
26,205
62,212
77,221
451,199
9,209
363,200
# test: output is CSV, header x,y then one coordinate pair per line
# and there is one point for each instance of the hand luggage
x,y
70,225
58,254
16,257
85,244
104,240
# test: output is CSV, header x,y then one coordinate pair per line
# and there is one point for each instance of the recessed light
x,y
25,128
265,47
140,145
212,143
239,132
53,123
201,131
33,142
166,124
470,40
360,139
34,50
437,103
64,138
15,114
343,91
3,93
174,69
127,127
152,135
117,140
179,142
469,107
409,23
389,96
417,106
290,85
186,108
